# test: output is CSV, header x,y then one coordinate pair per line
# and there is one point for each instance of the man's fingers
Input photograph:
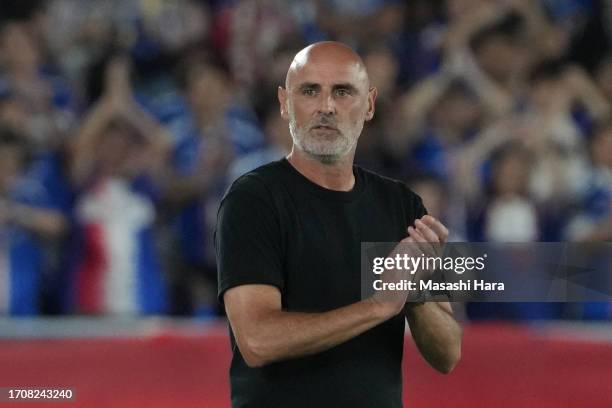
x,y
425,248
430,236
426,231
420,241
425,242
416,235
436,226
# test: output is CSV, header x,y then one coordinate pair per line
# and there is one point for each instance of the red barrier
x,y
502,366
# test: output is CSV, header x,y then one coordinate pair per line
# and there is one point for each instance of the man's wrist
x,y
382,309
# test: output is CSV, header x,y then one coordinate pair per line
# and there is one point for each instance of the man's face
x,y
18,46
503,57
208,90
326,103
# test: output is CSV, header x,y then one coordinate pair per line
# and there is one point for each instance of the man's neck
x,y
335,176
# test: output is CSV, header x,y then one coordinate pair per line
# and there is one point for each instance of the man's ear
x,y
282,99
372,94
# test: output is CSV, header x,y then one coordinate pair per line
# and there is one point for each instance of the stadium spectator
x,y
215,129
278,145
28,221
593,222
458,81
116,155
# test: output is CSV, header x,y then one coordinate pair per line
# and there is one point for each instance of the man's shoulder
x,y
385,182
258,182
391,190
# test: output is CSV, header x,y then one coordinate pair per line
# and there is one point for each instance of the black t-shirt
x,y
276,227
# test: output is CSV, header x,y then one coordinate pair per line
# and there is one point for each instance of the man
x,y
29,222
288,244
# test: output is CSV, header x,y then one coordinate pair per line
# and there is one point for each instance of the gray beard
x,y
327,159
324,158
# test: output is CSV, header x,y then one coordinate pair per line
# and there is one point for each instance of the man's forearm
x,y
281,335
436,334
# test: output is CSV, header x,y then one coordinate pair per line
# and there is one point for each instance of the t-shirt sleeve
x,y
248,240
420,207
413,206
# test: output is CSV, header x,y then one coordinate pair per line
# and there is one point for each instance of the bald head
x,y
331,55
326,99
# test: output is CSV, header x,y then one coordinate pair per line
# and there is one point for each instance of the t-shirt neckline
x,y
325,193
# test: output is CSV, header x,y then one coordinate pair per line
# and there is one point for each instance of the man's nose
x,y
327,105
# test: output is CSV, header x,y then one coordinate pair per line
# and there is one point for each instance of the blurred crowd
x,y
122,122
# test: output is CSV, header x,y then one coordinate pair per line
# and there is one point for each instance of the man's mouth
x,y
325,127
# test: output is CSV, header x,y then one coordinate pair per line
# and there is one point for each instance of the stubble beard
x,y
322,150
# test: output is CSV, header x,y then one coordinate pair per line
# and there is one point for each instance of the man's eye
x,y
309,92
342,92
